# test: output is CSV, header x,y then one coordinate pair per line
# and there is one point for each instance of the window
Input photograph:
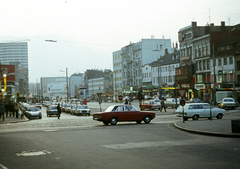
x,y
208,65
230,60
207,50
196,53
238,65
204,66
200,52
225,61
203,51
219,62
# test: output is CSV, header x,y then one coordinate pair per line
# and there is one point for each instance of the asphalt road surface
x,y
79,142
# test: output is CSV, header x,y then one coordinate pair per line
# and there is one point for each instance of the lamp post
x,y
66,81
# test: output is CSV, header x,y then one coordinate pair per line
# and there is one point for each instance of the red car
x,y
116,113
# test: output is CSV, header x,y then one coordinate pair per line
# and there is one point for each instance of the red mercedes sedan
x,y
118,113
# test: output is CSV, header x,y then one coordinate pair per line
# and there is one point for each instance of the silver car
x,y
82,110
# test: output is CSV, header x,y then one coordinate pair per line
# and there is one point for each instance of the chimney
x,y
223,24
173,45
194,24
166,51
212,24
176,45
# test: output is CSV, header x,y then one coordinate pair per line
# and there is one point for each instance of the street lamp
x,y
66,81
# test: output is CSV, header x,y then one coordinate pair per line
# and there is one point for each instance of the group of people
x,y
11,108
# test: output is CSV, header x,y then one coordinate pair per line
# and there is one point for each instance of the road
x,y
79,142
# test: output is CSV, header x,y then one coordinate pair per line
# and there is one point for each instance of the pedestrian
x,y
2,110
126,101
59,110
16,109
162,105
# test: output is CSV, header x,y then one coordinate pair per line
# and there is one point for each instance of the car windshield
x,y
33,109
82,107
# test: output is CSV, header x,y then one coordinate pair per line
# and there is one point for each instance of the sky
x,y
87,32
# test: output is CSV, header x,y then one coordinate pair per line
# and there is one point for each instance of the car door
x,y
131,114
206,110
118,112
199,110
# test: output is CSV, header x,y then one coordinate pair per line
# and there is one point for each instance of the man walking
x,y
2,110
16,109
59,110
162,105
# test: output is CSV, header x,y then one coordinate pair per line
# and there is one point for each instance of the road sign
x,y
182,92
120,97
182,102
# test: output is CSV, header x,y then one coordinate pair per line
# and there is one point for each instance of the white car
x,y
82,110
199,110
33,111
228,103
171,102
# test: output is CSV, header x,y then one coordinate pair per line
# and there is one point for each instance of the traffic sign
x,y
120,97
182,92
182,102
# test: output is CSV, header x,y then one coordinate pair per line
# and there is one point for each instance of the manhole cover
x,y
33,153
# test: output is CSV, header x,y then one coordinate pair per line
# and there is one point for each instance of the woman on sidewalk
x,y
2,110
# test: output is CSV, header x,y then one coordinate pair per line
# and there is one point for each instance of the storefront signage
x,y
199,86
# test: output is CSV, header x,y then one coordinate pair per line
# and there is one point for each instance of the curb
x,y
207,133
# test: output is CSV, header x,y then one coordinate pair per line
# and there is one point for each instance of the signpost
x,y
99,100
182,93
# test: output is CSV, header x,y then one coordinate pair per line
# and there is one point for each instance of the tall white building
x,y
129,61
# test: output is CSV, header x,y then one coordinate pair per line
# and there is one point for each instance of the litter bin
x,y
235,126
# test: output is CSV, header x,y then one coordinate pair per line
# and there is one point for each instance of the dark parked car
x,y
116,113
52,110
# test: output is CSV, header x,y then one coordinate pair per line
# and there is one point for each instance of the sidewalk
x,y
13,119
214,127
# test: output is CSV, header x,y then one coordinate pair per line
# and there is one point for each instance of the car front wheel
x,y
219,116
113,121
147,119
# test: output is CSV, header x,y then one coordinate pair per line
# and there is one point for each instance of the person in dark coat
x,y
2,110
59,110
163,105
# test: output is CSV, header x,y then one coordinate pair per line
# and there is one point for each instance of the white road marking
x,y
3,167
153,144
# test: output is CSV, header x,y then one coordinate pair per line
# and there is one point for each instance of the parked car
x,y
196,100
67,108
171,102
32,111
147,97
199,110
63,106
118,113
151,105
52,110
82,110
228,103
39,105
72,109
128,98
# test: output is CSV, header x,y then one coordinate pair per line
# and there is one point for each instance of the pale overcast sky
x,y
88,32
